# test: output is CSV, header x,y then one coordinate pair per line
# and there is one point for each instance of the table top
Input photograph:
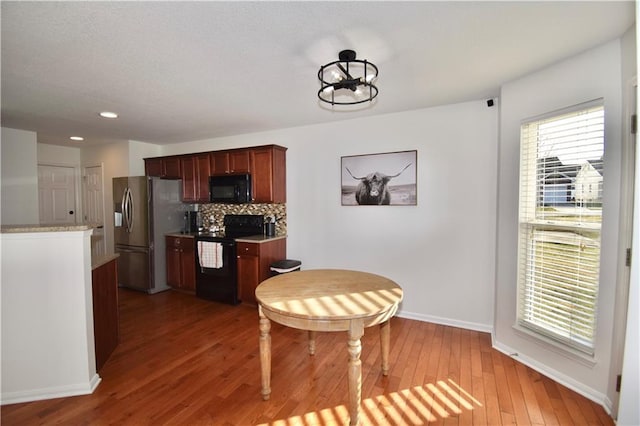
x,y
328,294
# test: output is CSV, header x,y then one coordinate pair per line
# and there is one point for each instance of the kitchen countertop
x,y
259,238
23,229
103,260
47,227
250,239
14,229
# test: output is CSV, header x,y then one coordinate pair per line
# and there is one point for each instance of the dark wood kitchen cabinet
x,y
266,164
235,161
269,174
254,265
195,178
104,285
165,167
239,161
181,263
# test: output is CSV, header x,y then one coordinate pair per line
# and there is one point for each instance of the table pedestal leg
x,y
312,342
356,330
385,332
265,355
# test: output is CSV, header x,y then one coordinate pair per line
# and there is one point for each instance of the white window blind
x,y
560,215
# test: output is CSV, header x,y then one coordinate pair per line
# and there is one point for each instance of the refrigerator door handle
x,y
131,211
125,208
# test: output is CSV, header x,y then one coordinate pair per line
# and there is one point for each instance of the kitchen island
x,y
47,312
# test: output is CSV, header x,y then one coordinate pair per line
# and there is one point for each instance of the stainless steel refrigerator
x,y
145,209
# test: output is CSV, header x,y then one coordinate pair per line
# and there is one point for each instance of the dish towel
x,y
210,254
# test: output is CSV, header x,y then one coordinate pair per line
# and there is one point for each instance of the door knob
x,y
70,211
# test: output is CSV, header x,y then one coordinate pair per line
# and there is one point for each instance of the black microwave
x,y
234,189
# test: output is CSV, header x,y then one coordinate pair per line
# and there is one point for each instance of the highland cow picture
x,y
388,179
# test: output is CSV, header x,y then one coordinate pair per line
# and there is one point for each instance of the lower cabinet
x,y
104,283
181,263
254,263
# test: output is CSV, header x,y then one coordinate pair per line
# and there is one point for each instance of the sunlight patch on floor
x,y
415,406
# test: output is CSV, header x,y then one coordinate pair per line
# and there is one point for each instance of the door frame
x,y
628,171
83,189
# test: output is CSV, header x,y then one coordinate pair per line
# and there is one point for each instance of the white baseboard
x,y
487,328
50,393
555,375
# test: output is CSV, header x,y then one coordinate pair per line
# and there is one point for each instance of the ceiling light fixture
x,y
107,114
347,81
76,138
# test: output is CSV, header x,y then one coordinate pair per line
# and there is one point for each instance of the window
x,y
560,217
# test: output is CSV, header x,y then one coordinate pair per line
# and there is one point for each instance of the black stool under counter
x,y
285,266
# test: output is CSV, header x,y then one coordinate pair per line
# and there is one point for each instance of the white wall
x,y
442,250
19,173
138,151
58,155
593,74
47,316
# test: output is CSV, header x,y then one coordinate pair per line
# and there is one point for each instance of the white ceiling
x,y
182,71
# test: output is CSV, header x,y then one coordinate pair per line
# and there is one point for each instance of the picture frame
x,y
381,179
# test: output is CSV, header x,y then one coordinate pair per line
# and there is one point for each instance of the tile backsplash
x,y
219,210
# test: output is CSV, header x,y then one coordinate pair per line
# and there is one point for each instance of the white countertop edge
x,y
17,229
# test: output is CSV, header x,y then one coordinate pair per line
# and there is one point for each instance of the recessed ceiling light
x,y
76,138
107,114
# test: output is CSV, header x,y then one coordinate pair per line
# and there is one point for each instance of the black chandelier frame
x,y
348,82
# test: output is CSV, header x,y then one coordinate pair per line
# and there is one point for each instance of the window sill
x,y
557,224
555,346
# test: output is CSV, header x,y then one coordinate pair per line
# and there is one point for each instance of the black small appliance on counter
x,y
220,283
190,221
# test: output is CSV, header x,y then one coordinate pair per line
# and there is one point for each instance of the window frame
x,y
532,195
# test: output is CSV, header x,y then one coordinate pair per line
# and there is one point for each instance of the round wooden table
x,y
328,300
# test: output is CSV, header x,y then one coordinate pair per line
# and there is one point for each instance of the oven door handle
x,y
223,243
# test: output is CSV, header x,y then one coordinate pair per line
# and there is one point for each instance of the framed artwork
x,y
387,179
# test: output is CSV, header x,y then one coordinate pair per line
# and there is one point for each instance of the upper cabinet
x,y
269,174
230,162
219,163
266,164
196,170
164,167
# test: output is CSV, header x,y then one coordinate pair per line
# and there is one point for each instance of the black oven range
x,y
216,270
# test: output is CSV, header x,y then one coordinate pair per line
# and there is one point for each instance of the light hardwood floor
x,y
186,361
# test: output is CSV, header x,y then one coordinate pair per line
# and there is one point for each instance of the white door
x,y
93,207
57,194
